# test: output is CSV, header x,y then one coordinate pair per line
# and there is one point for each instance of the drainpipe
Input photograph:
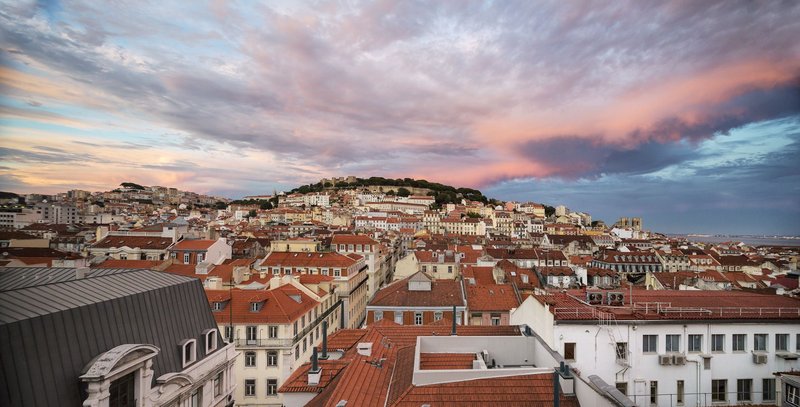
x,y
697,382
453,331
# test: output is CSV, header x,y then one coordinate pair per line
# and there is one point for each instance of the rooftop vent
x,y
364,348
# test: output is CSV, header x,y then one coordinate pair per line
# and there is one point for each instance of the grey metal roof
x,y
50,331
12,278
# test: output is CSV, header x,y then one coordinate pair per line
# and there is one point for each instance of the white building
x,y
673,348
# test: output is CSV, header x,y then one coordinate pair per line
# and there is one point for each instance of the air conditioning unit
x,y
759,358
679,359
664,360
615,298
594,298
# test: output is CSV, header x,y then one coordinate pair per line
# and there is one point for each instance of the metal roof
x,y
12,278
51,330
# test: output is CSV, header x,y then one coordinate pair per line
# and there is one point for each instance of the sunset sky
x,y
684,113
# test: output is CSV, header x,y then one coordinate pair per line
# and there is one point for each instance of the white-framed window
x,y
250,387
673,343
218,306
437,315
495,318
781,342
229,333
718,342
324,272
792,395
199,258
719,390
296,352
398,317
196,399
250,359
378,315
254,307
273,331
210,340
251,334
186,258
272,387
218,384
337,272
272,358
650,343
760,342
695,343
744,389
189,352
417,318
738,342
768,389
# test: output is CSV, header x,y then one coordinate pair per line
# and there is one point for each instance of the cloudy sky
x,y
684,113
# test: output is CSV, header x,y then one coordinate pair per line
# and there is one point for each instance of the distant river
x,y
748,240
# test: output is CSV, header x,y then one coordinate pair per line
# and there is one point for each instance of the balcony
x,y
264,343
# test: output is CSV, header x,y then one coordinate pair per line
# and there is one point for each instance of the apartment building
x,y
667,348
274,331
201,251
417,300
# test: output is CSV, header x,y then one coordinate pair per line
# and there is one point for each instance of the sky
x,y
685,113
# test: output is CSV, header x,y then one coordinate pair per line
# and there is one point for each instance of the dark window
x,y
121,391
768,390
650,343
272,387
250,359
781,342
718,343
569,350
653,392
695,343
719,389
744,389
272,358
218,385
760,342
250,387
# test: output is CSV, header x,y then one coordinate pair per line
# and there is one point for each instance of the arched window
x,y
189,352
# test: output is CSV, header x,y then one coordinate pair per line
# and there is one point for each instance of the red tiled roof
x,y
523,390
439,361
317,260
279,306
482,274
491,297
443,293
142,242
130,264
298,381
194,244
352,239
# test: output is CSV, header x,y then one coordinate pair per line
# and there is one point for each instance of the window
x,y
760,342
424,269
305,344
718,343
297,352
250,388
768,389
276,271
199,257
398,317
450,269
622,350
673,343
272,358
792,395
254,307
196,399
252,335
435,269
739,342
229,333
695,343
654,392
250,359
437,316
273,331
569,350
650,343
218,385
378,315
744,389
781,342
797,343
218,306
294,329
272,387
189,352
417,318
495,319
211,340
622,387
122,391
679,392
337,273
719,389
186,258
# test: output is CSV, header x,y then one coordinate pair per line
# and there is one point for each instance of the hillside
x,y
443,194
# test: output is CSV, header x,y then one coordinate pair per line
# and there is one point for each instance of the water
x,y
748,240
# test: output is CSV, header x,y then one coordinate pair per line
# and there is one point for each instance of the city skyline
x,y
686,114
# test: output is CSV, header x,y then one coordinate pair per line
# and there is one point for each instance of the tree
x,y
474,215
131,185
252,213
403,192
265,205
549,210
220,205
390,193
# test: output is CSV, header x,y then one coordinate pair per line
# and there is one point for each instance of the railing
x,y
727,398
264,343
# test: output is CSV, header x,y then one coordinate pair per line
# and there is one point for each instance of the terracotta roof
x,y
298,381
280,305
142,242
443,293
491,297
317,260
352,239
194,244
556,271
438,361
523,390
482,274
344,339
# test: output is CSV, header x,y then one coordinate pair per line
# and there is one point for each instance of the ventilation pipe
x,y
324,340
453,331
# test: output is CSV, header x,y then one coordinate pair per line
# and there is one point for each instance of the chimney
x,y
315,373
453,331
324,340
80,272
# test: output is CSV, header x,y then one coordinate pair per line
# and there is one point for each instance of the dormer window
x,y
210,338
189,352
218,306
255,306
